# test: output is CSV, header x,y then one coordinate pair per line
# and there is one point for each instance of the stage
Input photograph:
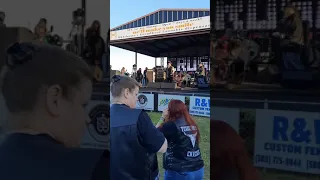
x,y
261,96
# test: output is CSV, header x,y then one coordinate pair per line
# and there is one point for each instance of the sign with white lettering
x,y
288,140
160,29
190,64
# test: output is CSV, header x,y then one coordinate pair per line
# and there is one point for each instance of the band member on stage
x,y
289,33
201,70
123,71
290,26
2,18
136,138
229,158
41,30
145,78
183,160
179,78
169,72
95,45
139,76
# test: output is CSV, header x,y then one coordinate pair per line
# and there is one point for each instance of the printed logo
x,y
164,102
142,100
187,130
99,127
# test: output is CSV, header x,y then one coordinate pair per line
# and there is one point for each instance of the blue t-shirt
x,y
39,157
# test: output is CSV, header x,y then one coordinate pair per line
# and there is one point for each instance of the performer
x,y
123,71
201,74
95,45
2,18
289,33
169,72
201,70
41,30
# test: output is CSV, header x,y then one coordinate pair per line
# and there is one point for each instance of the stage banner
x,y
145,101
288,140
200,23
228,115
164,100
199,106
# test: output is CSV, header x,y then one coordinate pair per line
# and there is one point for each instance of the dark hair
x,y
119,83
93,26
31,67
43,20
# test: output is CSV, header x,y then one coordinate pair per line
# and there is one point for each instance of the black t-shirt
x,y
39,157
150,138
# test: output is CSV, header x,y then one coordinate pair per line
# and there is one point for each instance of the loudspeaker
x,y
10,35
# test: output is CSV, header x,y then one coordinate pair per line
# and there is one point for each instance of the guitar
x,y
97,73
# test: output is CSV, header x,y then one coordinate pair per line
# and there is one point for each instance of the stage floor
x,y
262,96
186,90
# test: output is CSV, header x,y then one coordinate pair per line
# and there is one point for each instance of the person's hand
x,y
165,113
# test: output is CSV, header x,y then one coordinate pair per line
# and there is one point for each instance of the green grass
x,y
204,126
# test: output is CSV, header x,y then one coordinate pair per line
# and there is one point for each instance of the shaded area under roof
x,y
187,44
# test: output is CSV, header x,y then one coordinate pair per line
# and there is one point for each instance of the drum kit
x,y
233,62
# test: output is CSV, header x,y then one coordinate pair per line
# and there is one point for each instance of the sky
x,y
123,11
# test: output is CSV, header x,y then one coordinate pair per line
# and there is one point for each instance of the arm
x,y
152,139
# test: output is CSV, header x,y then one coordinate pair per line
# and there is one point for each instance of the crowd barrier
x,y
284,141
198,104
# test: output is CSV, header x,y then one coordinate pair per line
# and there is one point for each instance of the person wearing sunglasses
x,y
134,139
45,90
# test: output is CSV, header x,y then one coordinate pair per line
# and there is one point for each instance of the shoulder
x,y
169,125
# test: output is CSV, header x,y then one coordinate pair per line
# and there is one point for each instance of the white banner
x,y
98,130
199,106
165,28
228,115
288,140
164,100
145,101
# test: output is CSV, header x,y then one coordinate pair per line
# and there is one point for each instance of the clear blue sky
x,y
122,11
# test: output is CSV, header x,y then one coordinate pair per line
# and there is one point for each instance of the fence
x,y
198,103
271,135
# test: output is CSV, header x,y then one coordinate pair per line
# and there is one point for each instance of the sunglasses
x,y
20,53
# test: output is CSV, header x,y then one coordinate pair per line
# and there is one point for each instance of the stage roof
x,y
182,33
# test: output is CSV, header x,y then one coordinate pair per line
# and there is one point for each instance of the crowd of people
x,y
176,135
181,78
